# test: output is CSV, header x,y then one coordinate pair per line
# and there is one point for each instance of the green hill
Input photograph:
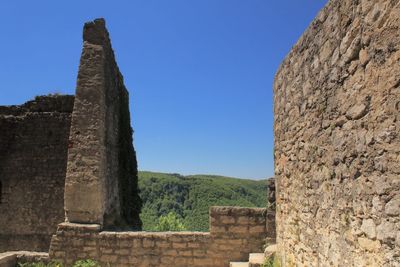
x,y
191,196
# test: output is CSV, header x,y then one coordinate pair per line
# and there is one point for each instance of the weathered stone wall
x,y
11,259
101,182
337,143
234,233
33,159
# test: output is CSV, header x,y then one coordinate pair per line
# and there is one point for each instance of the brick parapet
x,y
234,233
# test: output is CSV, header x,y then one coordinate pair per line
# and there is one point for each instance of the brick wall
x,y
33,158
234,233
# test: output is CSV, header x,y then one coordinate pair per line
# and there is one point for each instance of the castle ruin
x,y
83,203
71,154
337,154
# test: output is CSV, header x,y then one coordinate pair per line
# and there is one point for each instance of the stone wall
x,y
17,258
234,233
337,143
101,182
33,158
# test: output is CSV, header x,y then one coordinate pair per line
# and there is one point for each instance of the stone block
x,y
238,229
369,228
227,220
179,245
109,258
185,252
368,244
148,243
123,252
257,229
167,260
170,252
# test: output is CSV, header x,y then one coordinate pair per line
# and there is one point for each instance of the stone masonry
x,y
33,160
235,232
101,179
337,143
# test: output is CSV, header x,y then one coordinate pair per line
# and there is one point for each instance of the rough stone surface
x,y
256,259
369,228
33,160
393,206
101,181
12,258
337,143
235,232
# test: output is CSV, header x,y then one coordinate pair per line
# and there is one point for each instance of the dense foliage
x,y
170,222
189,197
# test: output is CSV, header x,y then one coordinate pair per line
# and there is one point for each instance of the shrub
x,y
271,262
86,263
170,222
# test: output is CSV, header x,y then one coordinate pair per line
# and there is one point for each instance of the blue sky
x,y
199,72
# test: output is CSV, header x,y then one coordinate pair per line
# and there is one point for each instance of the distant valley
x,y
190,197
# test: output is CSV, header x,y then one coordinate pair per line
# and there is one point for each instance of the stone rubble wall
x,y
33,159
235,232
337,142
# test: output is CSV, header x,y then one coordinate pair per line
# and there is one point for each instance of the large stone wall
x,y
101,182
337,143
33,159
235,232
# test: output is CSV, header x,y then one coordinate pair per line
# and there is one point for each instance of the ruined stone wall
x,y
33,158
235,232
337,143
17,258
101,182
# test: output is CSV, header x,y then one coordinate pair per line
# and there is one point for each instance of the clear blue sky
x,y
199,72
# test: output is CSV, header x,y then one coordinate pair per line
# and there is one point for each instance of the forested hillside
x,y
190,197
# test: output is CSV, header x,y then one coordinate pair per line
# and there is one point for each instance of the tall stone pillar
x,y
101,180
